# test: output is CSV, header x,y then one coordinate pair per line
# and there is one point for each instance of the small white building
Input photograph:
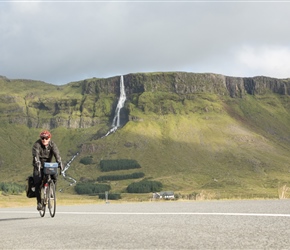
x,y
167,195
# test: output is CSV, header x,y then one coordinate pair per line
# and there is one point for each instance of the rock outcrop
x,y
90,102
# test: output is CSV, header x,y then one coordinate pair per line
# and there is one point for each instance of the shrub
x,y
110,196
121,164
91,188
11,188
86,160
144,186
121,177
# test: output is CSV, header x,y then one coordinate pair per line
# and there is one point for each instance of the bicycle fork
x,y
45,196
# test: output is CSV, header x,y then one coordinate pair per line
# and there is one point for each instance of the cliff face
x,y
92,101
191,83
188,83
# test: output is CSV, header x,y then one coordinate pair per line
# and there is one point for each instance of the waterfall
x,y
67,166
114,127
120,105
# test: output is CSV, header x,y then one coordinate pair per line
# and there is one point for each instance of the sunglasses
x,y
44,138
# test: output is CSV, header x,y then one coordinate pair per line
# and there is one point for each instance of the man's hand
x,y
60,165
38,164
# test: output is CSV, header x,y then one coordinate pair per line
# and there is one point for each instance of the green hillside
x,y
196,135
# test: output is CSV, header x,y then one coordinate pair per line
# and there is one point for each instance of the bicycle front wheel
x,y
43,201
51,199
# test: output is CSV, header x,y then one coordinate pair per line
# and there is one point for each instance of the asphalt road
x,y
248,224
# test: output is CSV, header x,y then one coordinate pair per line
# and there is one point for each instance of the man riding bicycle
x,y
42,151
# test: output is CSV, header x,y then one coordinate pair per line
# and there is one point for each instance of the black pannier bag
x,y
30,188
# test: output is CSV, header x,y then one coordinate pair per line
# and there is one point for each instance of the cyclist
x,y
42,151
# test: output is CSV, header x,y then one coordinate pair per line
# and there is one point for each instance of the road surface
x,y
246,224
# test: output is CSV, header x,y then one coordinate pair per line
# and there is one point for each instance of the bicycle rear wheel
x,y
51,199
43,202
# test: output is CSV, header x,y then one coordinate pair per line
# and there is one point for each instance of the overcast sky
x,y
63,41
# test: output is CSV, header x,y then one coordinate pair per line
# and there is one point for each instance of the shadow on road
x,y
15,219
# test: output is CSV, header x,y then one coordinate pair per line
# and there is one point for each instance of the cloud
x,y
273,60
59,42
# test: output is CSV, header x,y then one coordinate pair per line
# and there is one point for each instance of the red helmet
x,y
45,133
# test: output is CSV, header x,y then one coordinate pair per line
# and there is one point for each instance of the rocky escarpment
x,y
90,102
261,85
187,83
191,83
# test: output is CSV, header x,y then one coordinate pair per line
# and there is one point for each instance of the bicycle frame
x,y
48,195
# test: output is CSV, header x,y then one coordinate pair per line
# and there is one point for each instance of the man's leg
x,y
37,182
54,178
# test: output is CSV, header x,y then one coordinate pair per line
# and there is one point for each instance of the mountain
x,y
205,135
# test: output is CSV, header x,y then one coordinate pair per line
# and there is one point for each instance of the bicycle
x,y
48,195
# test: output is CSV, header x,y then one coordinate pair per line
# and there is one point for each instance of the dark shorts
x,y
38,179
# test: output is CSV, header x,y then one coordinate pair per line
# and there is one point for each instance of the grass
x,y
209,144
62,199
65,199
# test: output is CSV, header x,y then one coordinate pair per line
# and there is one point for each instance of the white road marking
x,y
152,213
